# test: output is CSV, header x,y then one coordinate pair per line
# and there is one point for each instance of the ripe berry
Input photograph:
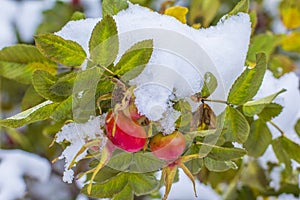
x,y
128,135
168,147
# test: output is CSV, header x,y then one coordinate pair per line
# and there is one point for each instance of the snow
x,y
78,135
14,165
181,54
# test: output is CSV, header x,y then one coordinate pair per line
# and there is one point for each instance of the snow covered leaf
x,y
178,12
42,82
139,184
242,6
290,13
20,61
297,127
203,9
171,68
259,138
270,111
134,59
236,127
104,42
59,50
37,113
292,42
210,85
251,108
112,7
218,166
248,83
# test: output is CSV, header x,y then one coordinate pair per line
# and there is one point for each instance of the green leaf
x,y
19,138
66,52
259,138
236,127
63,111
104,42
194,165
108,189
20,61
242,6
134,60
31,98
281,64
226,153
270,111
105,174
125,194
297,127
142,184
77,16
203,11
289,148
56,17
218,166
64,85
139,184
112,7
265,43
256,106
210,85
248,83
36,113
42,82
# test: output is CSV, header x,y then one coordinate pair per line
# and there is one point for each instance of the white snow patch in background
x,y
14,165
78,135
275,177
181,54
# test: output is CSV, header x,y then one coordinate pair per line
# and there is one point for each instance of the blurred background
x,y
20,20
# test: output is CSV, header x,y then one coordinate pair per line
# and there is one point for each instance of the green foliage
x,y
66,52
20,61
124,185
203,11
31,98
256,106
248,83
259,138
270,111
236,127
218,166
37,113
104,42
297,127
42,82
242,6
77,16
134,60
285,150
55,18
210,85
112,7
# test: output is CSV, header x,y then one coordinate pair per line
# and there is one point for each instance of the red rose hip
x,y
168,147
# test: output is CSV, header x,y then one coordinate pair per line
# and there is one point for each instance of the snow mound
x,y
14,165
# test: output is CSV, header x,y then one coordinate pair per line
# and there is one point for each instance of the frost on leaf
x,y
78,135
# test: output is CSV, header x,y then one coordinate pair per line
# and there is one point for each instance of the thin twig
x,y
277,127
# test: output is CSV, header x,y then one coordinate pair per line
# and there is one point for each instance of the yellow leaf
x,y
178,12
290,13
291,42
